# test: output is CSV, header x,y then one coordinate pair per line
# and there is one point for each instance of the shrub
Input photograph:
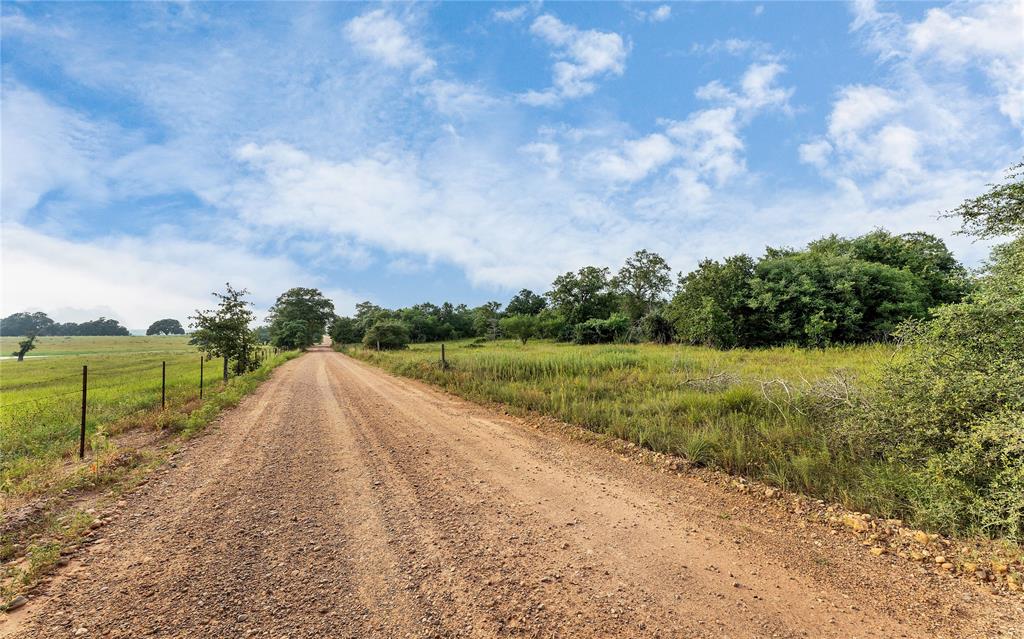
x,y
598,331
387,335
655,327
521,327
951,406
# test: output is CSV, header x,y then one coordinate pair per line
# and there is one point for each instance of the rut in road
x,y
339,501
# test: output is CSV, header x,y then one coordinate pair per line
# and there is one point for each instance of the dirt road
x,y
339,501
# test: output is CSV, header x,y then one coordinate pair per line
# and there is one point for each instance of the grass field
x,y
40,398
768,414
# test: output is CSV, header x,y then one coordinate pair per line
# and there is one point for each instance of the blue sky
x,y
461,151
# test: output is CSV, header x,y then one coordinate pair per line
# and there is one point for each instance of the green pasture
x,y
41,397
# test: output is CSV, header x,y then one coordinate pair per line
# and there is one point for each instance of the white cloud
x,y
659,14
141,278
510,15
922,129
989,35
815,153
380,35
50,148
581,57
635,161
547,152
953,39
710,138
456,98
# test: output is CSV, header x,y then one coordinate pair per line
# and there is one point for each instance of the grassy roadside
x,y
767,415
763,414
57,504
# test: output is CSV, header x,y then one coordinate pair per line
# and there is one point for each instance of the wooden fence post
x,y
85,387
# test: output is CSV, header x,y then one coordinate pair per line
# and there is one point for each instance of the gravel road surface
x,y
339,501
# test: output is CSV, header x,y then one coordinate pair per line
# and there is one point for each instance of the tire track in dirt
x,y
339,501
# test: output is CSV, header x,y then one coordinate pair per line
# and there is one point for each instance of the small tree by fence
x,y
224,332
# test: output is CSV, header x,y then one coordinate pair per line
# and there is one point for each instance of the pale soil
x,y
338,501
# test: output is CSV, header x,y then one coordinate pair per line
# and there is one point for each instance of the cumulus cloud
x,y
898,139
582,56
989,35
635,160
379,35
658,14
138,279
710,139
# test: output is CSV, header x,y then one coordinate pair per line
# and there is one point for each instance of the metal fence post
x,y
85,387
444,362
163,385
201,360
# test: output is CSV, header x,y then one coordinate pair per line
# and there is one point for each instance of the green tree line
x,y
834,291
40,324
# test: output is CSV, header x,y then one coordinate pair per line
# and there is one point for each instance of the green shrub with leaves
x,y
950,406
387,335
521,327
602,331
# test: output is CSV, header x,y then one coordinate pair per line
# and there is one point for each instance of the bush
x,y
521,327
951,406
602,331
387,335
655,327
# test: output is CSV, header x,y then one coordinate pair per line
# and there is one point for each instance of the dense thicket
x,y
835,291
41,324
950,406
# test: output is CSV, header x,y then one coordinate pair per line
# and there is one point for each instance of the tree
x,y
485,320
224,331
344,330
24,346
816,299
526,302
585,294
387,335
521,327
165,327
941,277
306,306
642,283
26,324
368,314
711,305
656,327
996,213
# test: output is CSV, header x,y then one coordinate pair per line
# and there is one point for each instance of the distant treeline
x,y
835,291
41,324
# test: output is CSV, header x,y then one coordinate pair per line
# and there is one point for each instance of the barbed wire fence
x,y
49,405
